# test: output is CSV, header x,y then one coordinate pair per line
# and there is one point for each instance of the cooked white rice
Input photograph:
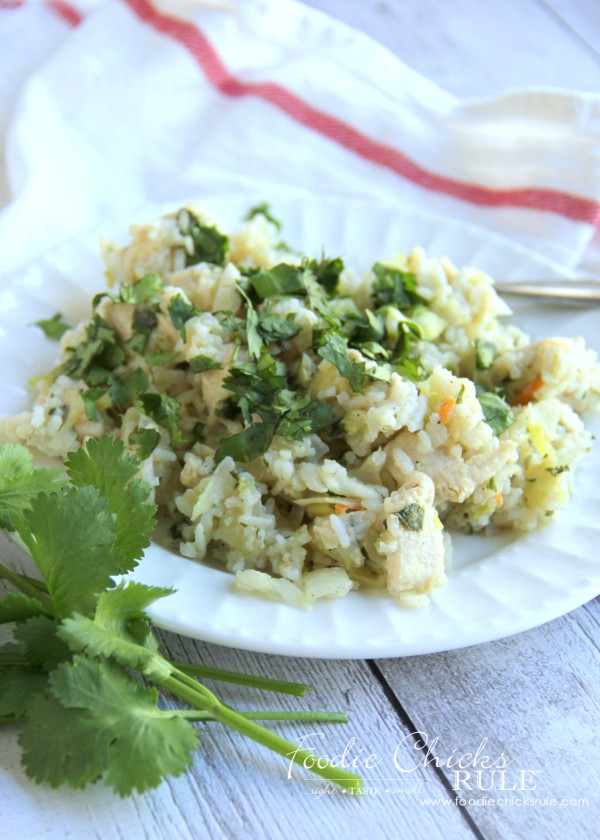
x,y
434,412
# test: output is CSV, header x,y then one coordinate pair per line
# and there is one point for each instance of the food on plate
x,y
310,429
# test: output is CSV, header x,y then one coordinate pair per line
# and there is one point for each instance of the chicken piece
x,y
454,478
413,541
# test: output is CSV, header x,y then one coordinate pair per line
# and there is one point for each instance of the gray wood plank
x,y
471,48
535,698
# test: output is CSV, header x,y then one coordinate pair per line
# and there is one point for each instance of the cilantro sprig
x,y
84,674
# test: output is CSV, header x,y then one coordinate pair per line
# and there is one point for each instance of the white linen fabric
x,y
109,106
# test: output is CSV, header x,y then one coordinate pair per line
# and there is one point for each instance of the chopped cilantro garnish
x,y
277,328
327,271
262,210
165,411
396,287
486,354
161,358
209,245
200,363
53,327
146,441
496,411
97,355
141,290
412,517
282,280
181,311
558,470
123,388
90,397
335,351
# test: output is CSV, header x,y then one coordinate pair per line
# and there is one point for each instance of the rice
x,y
310,429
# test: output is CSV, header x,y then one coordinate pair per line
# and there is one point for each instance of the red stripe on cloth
x,y
571,206
66,12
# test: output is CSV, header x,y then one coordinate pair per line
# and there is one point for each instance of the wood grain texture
x,y
473,49
536,699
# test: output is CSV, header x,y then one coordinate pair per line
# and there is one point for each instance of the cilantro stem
x,y
201,698
323,717
27,586
263,683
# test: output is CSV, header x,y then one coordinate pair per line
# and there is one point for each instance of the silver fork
x,y
567,291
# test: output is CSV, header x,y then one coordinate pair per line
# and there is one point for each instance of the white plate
x,y
497,587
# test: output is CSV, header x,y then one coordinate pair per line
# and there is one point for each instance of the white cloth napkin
x,y
108,106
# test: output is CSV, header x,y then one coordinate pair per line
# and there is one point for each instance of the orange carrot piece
x,y
445,409
499,500
526,395
340,508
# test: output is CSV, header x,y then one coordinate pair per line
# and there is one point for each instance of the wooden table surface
x,y
533,698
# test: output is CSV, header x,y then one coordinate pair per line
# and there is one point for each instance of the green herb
x,y
53,327
327,272
486,354
95,357
146,441
83,677
282,280
141,290
396,287
262,210
201,363
181,311
209,244
165,411
160,358
412,517
335,351
277,328
558,470
411,369
143,323
263,389
125,387
496,411
90,397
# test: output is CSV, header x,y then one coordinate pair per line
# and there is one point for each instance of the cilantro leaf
x,y
53,327
17,685
181,311
70,537
282,280
412,517
277,328
124,387
146,440
100,722
42,646
262,209
15,606
106,465
200,363
161,358
327,271
335,351
396,287
165,410
90,397
141,290
252,335
98,354
209,244
20,483
486,354
247,445
496,411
